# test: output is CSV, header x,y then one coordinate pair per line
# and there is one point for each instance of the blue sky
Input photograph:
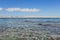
x,y
43,7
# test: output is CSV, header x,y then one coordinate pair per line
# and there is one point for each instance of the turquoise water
x,y
49,26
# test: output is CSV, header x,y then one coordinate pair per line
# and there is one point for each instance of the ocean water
x,y
44,26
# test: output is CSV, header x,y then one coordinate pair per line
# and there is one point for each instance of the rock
x,y
39,24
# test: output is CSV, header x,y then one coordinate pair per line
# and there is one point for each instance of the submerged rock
x,y
40,24
47,25
54,37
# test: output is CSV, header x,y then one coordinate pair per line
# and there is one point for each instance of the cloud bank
x,y
20,9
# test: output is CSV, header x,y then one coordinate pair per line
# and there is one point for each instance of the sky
x,y
29,7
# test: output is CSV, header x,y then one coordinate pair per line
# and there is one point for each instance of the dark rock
x,y
39,24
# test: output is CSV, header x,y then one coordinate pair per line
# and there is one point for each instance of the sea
x,y
49,26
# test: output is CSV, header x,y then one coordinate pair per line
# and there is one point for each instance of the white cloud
x,y
22,9
1,9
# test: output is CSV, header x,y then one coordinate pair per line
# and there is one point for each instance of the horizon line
x,y
29,16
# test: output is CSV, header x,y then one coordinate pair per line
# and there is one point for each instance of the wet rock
x,y
40,24
45,24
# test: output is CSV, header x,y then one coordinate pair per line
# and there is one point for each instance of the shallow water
x,y
49,26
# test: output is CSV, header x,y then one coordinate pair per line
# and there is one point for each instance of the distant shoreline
x,y
29,16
